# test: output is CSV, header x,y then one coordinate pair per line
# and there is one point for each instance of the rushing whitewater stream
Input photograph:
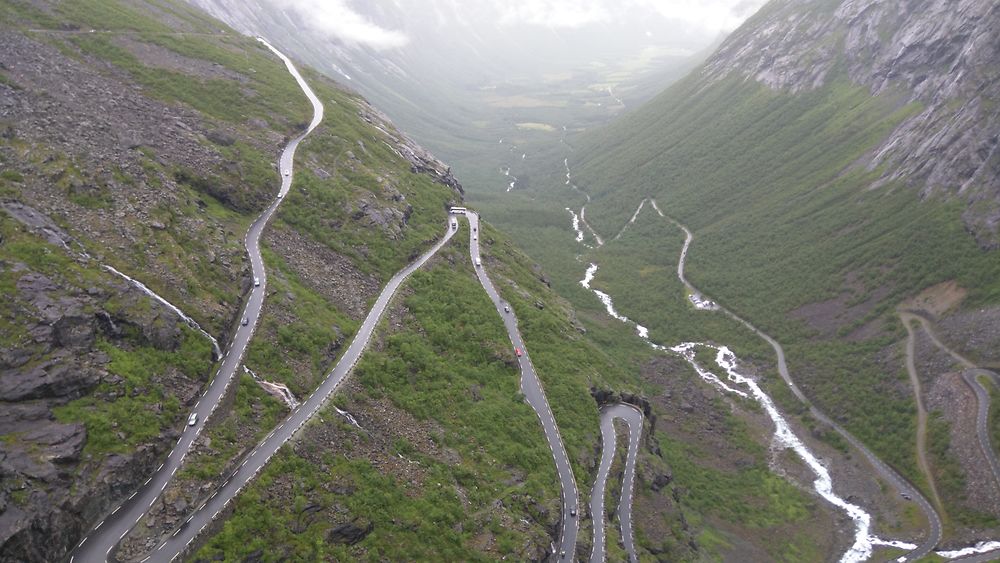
x,y
735,383
216,352
784,436
582,218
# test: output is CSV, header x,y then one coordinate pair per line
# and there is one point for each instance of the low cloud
x,y
336,19
721,15
713,15
555,13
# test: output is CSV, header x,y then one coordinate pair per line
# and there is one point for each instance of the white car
x,y
193,419
288,172
256,282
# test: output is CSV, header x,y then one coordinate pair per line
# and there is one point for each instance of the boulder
x,y
661,480
60,443
349,533
45,380
74,331
163,332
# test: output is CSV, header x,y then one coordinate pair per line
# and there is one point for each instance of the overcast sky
x,y
359,23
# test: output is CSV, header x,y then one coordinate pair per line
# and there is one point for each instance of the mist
x,y
459,75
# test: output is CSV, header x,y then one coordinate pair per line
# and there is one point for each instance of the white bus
x,y
459,210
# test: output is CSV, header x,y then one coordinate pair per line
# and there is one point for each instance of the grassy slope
x,y
232,194
118,415
273,97
766,182
426,368
320,210
270,95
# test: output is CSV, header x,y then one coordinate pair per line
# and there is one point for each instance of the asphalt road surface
x,y
98,544
533,393
177,543
982,416
633,417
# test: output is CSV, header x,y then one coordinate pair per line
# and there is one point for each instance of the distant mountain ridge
x,y
939,53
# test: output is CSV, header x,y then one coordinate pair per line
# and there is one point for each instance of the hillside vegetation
x,y
790,234
145,136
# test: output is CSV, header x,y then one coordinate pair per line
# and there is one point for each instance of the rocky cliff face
x,y
941,54
52,354
421,160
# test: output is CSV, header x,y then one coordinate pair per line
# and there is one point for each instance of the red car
x,y
518,352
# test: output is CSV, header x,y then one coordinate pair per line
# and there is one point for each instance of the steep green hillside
x,y
783,220
828,184
447,463
790,233
144,136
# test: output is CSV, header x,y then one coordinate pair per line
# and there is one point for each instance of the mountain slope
x,y
142,136
941,54
835,160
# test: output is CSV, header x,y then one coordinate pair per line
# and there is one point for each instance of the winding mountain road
x,y
911,369
970,375
535,396
182,538
178,543
98,544
633,418
890,475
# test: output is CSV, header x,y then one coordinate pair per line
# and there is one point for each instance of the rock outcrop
x,y
50,489
941,53
421,161
349,533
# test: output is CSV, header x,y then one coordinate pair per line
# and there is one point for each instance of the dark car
x,y
245,321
